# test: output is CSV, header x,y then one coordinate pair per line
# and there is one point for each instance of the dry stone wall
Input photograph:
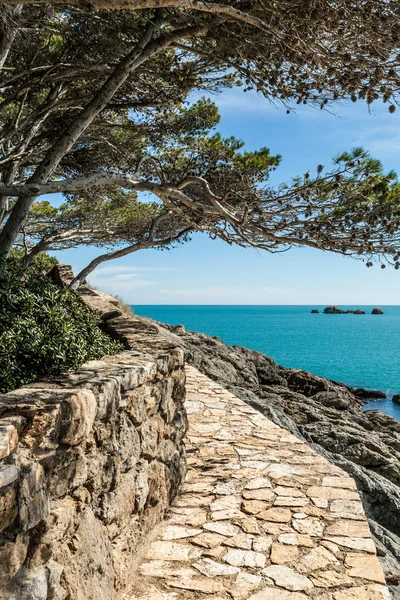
x,y
88,464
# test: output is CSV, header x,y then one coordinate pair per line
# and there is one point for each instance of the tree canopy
x,y
96,99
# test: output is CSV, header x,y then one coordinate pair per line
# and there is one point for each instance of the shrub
x,y
45,330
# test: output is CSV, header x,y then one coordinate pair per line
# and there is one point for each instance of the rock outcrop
x,y
332,310
368,394
315,311
325,414
335,310
377,311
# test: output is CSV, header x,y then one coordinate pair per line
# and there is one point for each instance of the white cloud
x,y
126,270
121,281
231,295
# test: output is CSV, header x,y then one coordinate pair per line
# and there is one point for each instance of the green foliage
x,y
41,264
45,330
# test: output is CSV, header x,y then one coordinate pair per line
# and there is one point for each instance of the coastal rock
x,y
377,311
315,311
369,394
396,399
335,310
332,310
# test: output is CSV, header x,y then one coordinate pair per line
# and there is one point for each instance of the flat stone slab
x,y
261,516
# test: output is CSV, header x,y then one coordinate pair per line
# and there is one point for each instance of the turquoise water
x,y
359,350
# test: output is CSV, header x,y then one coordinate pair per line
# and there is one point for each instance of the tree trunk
x,y
80,278
40,247
219,8
124,252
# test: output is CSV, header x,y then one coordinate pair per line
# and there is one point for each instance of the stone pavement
x,y
260,517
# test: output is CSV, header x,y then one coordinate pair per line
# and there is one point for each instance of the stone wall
x,y
89,463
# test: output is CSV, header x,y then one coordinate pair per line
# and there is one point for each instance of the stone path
x,y
260,517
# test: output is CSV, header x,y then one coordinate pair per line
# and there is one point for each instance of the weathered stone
x,y
8,474
362,593
76,417
206,586
8,506
260,494
34,503
281,554
331,493
244,584
366,567
262,543
292,502
276,515
258,483
347,509
362,544
317,558
296,539
149,433
291,491
12,556
175,532
276,594
358,529
250,525
208,540
341,482
328,579
160,568
254,507
226,529
241,540
312,527
210,568
172,551
228,488
287,578
245,558
8,439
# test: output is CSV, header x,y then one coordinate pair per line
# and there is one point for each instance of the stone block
x,y
34,502
8,474
127,442
8,439
8,506
108,396
66,470
150,432
76,417
135,405
12,556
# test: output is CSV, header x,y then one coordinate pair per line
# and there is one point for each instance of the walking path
x,y
260,517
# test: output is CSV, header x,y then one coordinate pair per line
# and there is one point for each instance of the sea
x,y
358,350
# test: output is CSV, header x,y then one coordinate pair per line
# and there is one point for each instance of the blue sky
x,y
204,271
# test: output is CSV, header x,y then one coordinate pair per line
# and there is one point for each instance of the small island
x,y
335,310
